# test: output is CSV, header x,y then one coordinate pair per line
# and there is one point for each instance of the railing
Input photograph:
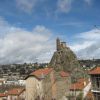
x,y
96,89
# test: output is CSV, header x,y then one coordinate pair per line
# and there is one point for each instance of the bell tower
x,y
58,44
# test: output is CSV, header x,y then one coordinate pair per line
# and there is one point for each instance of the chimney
x,y
84,83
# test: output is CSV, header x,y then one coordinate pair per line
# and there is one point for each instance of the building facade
x,y
46,84
16,94
95,80
3,96
81,87
39,85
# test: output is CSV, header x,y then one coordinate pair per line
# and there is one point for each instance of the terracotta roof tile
x,y
79,85
64,74
15,91
40,72
3,95
95,71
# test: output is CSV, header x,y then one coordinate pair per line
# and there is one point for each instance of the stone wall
x,y
33,88
53,86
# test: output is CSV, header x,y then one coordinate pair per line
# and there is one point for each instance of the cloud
x,y
20,45
90,52
75,24
64,5
93,34
26,5
3,24
80,46
88,46
29,5
89,2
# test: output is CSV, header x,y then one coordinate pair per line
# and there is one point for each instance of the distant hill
x,y
90,63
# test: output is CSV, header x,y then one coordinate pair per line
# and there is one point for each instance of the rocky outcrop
x,y
65,59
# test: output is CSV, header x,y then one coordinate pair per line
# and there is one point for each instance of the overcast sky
x,y
28,29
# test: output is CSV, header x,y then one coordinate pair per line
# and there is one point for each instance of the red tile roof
x,y
95,71
15,91
64,74
40,72
79,85
3,95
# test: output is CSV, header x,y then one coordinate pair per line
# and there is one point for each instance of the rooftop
x,y
79,85
64,74
3,95
15,91
95,71
41,72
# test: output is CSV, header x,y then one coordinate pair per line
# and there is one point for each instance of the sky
x,y
29,28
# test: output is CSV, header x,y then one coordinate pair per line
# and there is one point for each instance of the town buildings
x,y
38,84
95,79
13,94
81,87
54,82
46,84
16,94
3,96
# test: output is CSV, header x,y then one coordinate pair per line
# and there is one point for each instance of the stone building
x,y
60,45
62,84
82,86
52,83
16,94
3,96
38,85
46,84
13,94
95,80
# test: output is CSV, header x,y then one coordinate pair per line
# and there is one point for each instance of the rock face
x,y
64,59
